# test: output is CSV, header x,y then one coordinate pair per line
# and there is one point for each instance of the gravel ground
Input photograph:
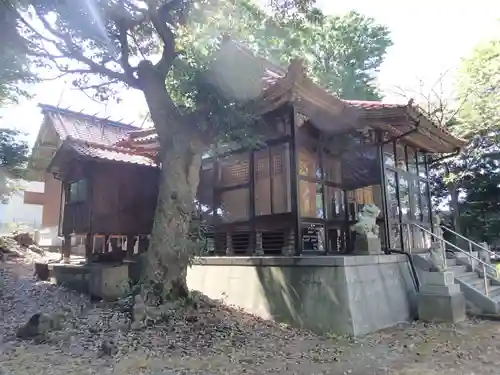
x,y
215,339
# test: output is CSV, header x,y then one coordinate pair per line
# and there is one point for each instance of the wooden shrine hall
x,y
319,161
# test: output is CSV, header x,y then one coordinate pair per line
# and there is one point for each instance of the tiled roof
x,y
106,152
141,137
366,104
144,141
85,127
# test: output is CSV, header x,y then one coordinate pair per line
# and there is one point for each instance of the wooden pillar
x,y
252,246
89,247
294,183
66,249
383,191
130,247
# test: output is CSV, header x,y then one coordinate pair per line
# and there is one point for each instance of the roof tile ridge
x,y
101,146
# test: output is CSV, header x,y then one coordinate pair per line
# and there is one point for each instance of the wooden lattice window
x,y
278,165
234,172
261,168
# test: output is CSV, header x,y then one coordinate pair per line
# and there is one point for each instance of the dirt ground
x,y
214,339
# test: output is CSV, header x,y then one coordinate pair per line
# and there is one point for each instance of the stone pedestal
x,y
440,299
367,245
109,282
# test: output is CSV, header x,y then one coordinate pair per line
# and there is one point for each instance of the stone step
x,y
494,292
451,262
468,276
479,284
458,270
464,256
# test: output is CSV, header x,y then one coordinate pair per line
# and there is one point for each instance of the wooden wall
x,y
76,215
124,198
272,184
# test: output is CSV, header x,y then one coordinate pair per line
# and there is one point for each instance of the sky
x,y
430,37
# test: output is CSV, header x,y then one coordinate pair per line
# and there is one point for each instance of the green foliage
x,y
14,62
13,158
472,175
13,152
342,53
479,86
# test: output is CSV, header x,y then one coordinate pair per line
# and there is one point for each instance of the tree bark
x,y
170,249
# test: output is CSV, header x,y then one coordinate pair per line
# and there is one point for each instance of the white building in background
x,y
14,212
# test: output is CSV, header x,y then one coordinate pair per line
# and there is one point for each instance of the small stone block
x,y
42,271
444,290
438,278
109,282
438,308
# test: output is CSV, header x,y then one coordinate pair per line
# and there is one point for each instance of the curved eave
x,y
327,112
420,131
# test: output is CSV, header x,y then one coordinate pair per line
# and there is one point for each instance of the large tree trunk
x,y
170,248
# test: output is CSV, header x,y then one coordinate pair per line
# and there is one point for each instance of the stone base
x,y
441,308
442,290
438,278
109,282
364,245
71,276
343,295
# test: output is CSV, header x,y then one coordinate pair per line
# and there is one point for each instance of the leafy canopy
x,y
473,176
101,42
13,158
479,86
14,63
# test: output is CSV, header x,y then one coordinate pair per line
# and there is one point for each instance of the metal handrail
x,y
484,265
468,240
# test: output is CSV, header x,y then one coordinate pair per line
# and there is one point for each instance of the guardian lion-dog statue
x,y
366,224
367,231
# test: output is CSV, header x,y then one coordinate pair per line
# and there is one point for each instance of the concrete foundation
x,y
352,295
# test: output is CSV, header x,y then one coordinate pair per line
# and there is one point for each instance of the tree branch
x,y
99,85
73,51
166,35
124,49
